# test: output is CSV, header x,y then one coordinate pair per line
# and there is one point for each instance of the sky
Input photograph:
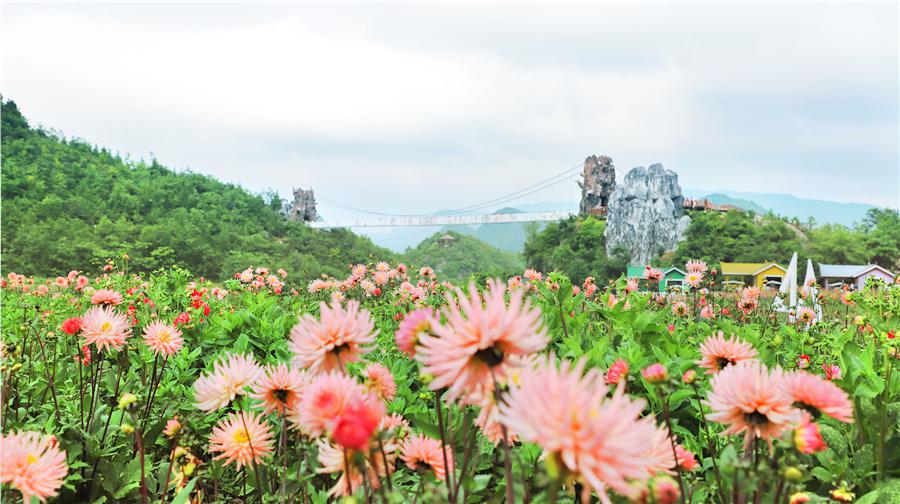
x,y
412,108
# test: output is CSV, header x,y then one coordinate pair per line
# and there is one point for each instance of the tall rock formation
x,y
599,181
646,214
303,207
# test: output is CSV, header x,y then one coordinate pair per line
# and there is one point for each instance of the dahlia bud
x,y
127,400
173,427
808,439
793,474
616,372
689,376
127,429
842,495
799,498
665,490
655,373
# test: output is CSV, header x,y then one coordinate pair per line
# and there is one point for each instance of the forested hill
x,y
69,205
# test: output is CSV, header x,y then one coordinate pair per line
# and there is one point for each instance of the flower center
x,y
281,395
724,362
242,436
756,418
492,356
165,337
806,407
31,459
106,327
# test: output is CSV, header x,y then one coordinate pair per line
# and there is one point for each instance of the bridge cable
x,y
525,191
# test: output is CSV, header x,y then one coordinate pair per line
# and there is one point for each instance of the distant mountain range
x,y
511,237
787,205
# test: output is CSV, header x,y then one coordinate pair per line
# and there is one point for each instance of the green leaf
x,y
185,492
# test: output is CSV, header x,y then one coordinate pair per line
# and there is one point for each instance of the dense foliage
x,y
575,246
68,204
131,426
747,237
463,257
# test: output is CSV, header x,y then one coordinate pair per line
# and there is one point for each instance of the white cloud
x,y
471,101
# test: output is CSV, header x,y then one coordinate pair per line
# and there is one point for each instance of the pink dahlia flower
x,y
473,350
338,337
602,441
33,464
230,378
380,382
107,297
324,400
280,388
695,266
817,395
413,325
751,399
719,353
163,338
105,327
421,452
241,437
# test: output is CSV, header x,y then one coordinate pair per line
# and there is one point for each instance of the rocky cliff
x,y
646,214
303,207
598,183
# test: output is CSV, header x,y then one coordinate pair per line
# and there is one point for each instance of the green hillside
x,y
69,205
463,257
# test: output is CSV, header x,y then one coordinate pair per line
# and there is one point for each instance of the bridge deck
x,y
444,220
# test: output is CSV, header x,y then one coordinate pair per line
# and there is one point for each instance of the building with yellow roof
x,y
755,274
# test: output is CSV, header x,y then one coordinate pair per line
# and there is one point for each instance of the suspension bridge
x,y
471,214
443,220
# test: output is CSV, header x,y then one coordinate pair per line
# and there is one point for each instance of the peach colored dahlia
x,y
719,353
105,327
421,452
380,381
340,336
602,441
414,324
242,438
163,338
324,401
280,388
106,297
331,460
230,378
818,396
474,348
33,464
751,399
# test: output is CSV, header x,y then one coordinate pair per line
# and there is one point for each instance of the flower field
x,y
392,385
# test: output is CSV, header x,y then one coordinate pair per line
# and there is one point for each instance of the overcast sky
x,y
411,108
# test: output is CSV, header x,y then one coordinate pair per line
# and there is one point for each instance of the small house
x,y
753,274
672,277
855,275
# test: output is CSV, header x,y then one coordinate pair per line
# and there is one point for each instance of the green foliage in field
x,y
67,204
464,257
577,247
